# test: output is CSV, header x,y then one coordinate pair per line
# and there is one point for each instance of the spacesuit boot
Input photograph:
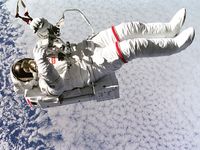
x,y
178,20
185,38
133,30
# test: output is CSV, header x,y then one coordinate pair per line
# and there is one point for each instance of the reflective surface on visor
x,y
22,70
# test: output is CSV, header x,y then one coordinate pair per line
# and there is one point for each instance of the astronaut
x,y
108,51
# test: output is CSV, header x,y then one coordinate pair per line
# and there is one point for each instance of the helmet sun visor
x,y
21,69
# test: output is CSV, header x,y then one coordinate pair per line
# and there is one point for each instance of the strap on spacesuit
x,y
27,17
119,52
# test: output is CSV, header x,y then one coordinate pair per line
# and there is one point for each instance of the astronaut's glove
x,y
43,28
36,24
40,26
39,52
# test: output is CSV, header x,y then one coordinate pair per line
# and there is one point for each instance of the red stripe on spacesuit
x,y
115,33
28,101
119,52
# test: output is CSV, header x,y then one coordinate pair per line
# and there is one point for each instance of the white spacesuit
x,y
100,55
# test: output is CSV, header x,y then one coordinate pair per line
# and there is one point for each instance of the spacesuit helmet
x,y
24,69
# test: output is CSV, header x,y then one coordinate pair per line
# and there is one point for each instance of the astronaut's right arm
x,y
50,81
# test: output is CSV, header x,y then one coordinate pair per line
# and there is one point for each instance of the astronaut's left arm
x,y
50,81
